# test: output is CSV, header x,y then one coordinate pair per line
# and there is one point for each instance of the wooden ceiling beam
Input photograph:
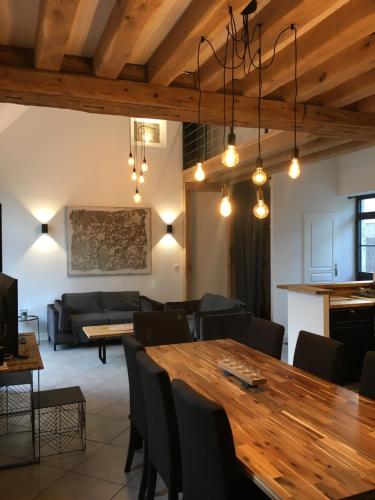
x,y
273,17
274,142
120,35
200,18
55,22
352,22
355,60
324,154
170,103
351,91
366,105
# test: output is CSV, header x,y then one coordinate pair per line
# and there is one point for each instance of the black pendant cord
x,y
201,41
259,87
233,94
295,87
130,135
224,90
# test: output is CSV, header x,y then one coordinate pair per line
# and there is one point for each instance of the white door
x,y
319,263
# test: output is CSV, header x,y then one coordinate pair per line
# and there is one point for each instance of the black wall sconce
x,y
169,229
44,228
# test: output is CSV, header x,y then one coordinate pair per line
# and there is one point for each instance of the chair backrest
x,y
367,384
137,407
226,326
214,302
319,355
266,336
207,449
161,327
163,445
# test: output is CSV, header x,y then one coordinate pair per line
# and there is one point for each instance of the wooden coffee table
x,y
103,332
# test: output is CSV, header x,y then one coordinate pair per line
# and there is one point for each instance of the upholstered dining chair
x,y
137,409
210,470
161,327
320,356
267,337
234,325
367,384
162,439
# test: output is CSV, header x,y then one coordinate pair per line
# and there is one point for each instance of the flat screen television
x,y
9,314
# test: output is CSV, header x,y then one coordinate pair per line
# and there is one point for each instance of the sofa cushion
x,y
88,319
213,302
120,301
118,317
82,303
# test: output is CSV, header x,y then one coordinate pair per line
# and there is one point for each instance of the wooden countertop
x,y
33,360
297,436
336,302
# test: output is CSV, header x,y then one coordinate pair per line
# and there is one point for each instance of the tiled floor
x,y
96,473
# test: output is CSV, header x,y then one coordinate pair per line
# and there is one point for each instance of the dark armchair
x,y
210,304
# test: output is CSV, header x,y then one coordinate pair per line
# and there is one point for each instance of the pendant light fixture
x,y
141,178
134,174
199,173
261,209
131,161
230,157
259,176
225,205
144,166
294,168
137,197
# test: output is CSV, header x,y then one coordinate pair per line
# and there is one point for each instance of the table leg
x,y
102,351
38,332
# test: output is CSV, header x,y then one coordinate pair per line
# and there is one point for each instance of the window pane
x,y
368,232
368,205
367,259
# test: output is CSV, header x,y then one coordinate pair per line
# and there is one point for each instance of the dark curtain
x,y
250,251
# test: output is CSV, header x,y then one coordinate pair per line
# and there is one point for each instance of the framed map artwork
x,y
108,240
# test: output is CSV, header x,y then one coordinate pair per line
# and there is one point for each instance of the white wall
x,y
315,191
52,158
357,172
209,245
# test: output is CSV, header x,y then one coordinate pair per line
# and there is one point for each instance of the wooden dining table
x,y
297,436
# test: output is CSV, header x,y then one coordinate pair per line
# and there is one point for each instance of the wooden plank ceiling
x,y
139,59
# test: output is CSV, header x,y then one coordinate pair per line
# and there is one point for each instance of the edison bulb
x,y
134,175
131,161
199,172
261,210
294,168
225,206
141,178
259,177
137,197
230,157
144,166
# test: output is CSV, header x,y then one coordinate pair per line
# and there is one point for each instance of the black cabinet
x,y
355,329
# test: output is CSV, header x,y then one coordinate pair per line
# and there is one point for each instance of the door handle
x,y
336,271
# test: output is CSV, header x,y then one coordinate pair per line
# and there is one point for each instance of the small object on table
x,y
23,314
21,340
23,317
246,374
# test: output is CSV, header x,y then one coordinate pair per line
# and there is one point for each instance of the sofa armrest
x,y
189,306
148,304
52,322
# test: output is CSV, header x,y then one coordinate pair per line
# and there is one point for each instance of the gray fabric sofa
x,y
209,304
67,317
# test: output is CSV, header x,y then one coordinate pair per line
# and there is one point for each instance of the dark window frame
x,y
359,216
